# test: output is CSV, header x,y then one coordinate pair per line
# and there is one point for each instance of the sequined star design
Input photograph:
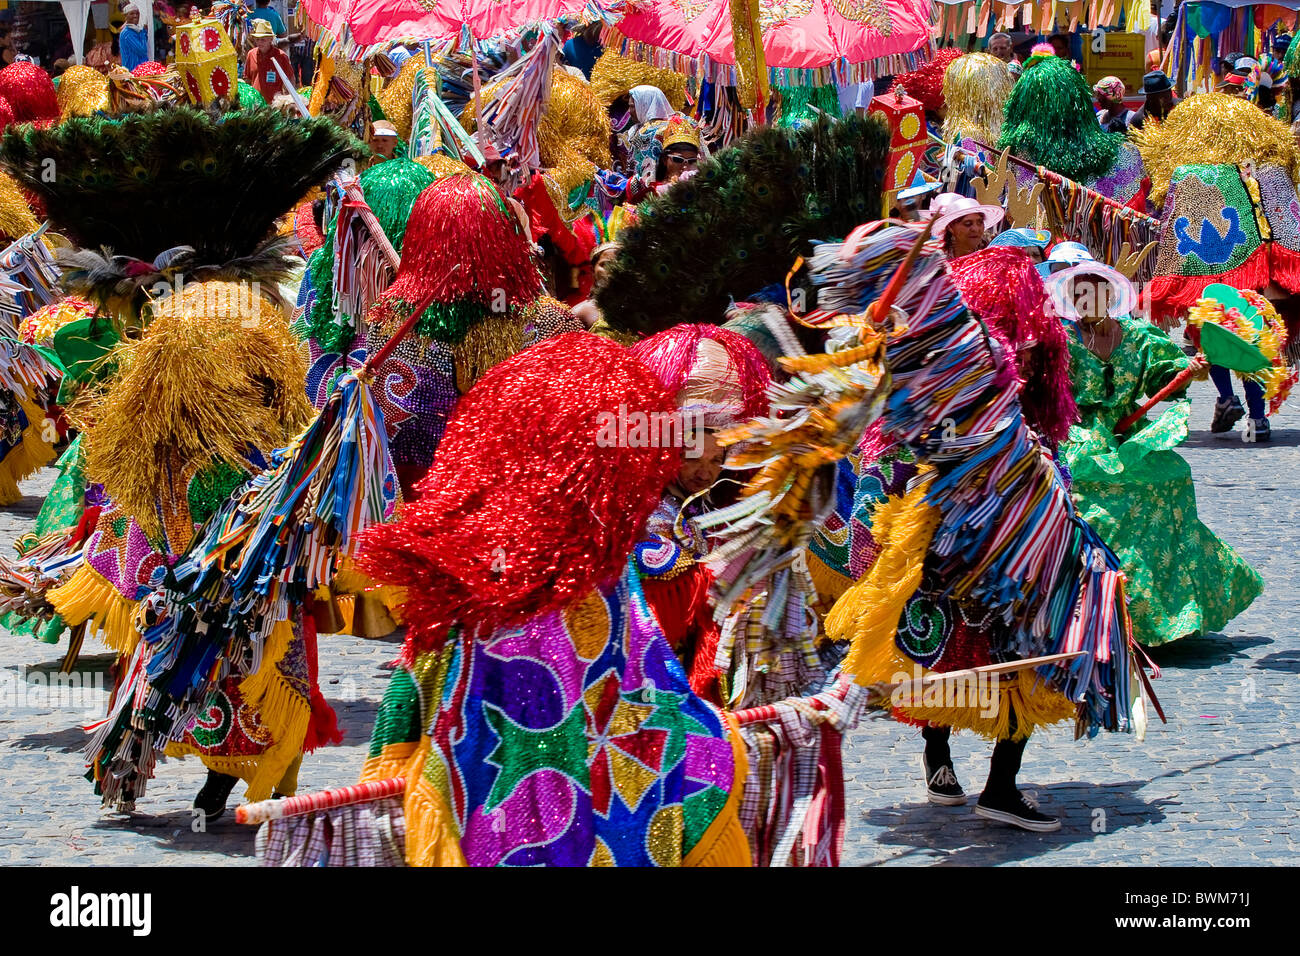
x,y
624,755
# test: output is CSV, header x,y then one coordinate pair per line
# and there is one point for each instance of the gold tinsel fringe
x,y
16,216
867,613
488,343
82,91
615,75
88,597
1213,129
976,88
395,98
203,384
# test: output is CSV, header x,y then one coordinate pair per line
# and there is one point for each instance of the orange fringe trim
x,y
88,597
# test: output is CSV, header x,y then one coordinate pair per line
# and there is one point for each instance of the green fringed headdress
x,y
1050,122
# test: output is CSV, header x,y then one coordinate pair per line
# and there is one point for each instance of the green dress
x,y
1138,493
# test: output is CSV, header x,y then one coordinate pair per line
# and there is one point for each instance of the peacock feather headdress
x,y
738,224
173,190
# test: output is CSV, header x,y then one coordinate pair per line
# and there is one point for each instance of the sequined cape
x,y
573,740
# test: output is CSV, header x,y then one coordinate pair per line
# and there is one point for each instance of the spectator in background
x,y
1112,114
1000,46
133,43
383,141
1159,93
259,65
263,11
583,48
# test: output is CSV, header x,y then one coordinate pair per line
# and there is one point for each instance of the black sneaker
x,y
211,801
1257,430
941,785
1227,412
1017,810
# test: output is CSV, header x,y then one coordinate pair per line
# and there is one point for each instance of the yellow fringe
x,y
432,836
1025,694
391,762
830,584
87,596
348,580
27,457
283,712
724,843
868,612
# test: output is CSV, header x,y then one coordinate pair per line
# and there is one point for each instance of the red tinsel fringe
x,y
1001,286
30,92
926,84
324,725
462,220
537,493
1284,266
1172,295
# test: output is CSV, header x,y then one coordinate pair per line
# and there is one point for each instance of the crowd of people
x,y
665,449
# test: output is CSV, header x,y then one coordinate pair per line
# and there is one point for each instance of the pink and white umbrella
x,y
370,23
804,41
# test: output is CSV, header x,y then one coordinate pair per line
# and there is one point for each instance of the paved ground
x,y
1217,785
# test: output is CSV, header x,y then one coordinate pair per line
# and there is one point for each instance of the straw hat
x,y
1081,263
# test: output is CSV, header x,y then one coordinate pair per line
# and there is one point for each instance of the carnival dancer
x,y
719,378
1134,489
901,585
540,716
1050,122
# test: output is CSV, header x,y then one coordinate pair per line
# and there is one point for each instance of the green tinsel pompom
x,y
249,98
797,100
390,189
1050,122
1292,59
449,322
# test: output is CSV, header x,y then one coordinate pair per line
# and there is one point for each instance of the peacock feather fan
x,y
176,177
738,224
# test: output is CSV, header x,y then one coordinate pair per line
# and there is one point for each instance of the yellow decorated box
x,y
206,60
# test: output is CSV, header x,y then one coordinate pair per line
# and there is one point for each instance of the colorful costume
x,y
1137,492
1050,122
719,379
544,718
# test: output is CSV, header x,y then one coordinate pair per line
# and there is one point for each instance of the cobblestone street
x,y
1217,785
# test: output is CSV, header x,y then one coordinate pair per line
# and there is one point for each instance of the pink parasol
x,y
804,41
372,22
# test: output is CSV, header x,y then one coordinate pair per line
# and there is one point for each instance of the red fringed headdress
x,y
1001,286
540,488
149,68
713,370
30,93
460,221
926,84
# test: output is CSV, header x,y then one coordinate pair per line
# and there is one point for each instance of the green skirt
x,y
1182,578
